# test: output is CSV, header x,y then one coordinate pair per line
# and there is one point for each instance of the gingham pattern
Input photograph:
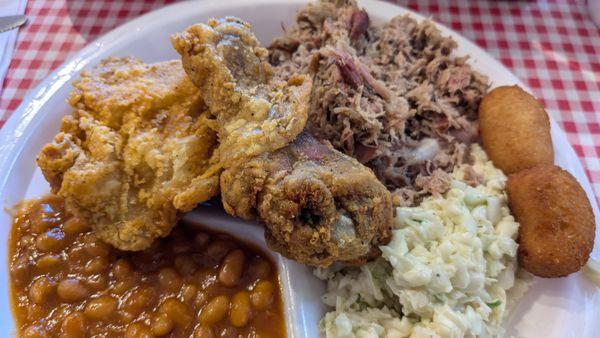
x,y
552,46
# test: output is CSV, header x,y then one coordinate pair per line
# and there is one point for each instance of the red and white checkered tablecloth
x,y
552,46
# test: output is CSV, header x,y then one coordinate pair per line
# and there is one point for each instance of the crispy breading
x,y
256,112
135,151
319,206
515,130
557,223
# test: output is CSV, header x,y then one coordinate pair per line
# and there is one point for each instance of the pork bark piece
x,y
319,206
255,112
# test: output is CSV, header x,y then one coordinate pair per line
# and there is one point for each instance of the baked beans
x,y
65,282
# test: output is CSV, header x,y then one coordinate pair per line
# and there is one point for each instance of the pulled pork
x,y
391,96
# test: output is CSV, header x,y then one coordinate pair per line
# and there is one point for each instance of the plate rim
x,y
14,133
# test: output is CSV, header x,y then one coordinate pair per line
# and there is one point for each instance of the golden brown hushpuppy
x,y
515,130
557,223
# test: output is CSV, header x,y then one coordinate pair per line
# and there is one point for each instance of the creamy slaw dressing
x,y
445,273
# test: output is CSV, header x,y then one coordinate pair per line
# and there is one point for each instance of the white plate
x,y
566,307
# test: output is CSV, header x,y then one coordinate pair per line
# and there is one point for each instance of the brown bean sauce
x,y
65,282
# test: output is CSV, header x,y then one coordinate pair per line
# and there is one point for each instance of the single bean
x,y
95,247
39,226
188,293
71,290
139,299
122,269
232,268
48,263
41,289
169,280
122,286
20,270
259,268
101,308
215,310
96,265
262,294
97,282
162,324
43,220
240,312
77,254
177,311
26,241
51,241
74,226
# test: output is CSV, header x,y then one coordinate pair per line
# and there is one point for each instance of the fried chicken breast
x,y
135,152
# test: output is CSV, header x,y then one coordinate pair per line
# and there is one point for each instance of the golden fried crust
x,y
515,130
135,153
256,113
318,205
557,223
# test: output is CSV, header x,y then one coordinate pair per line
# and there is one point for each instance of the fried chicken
x,y
255,112
136,151
319,206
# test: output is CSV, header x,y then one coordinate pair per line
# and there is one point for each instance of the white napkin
x,y
8,39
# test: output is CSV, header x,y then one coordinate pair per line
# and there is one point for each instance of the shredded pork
x,y
393,96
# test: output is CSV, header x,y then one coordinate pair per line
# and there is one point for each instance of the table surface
x,y
552,46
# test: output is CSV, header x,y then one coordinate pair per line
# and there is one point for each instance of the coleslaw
x,y
450,269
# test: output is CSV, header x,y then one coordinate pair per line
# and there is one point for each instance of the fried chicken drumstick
x,y
135,152
318,205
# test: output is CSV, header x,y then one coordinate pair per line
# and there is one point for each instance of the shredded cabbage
x,y
445,272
